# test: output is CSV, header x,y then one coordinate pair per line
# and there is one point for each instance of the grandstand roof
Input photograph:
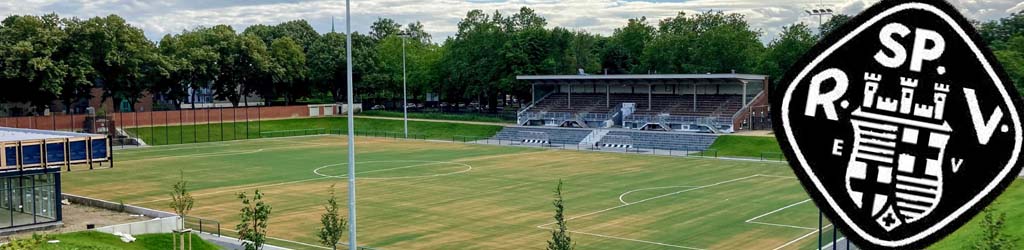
x,y
646,79
20,134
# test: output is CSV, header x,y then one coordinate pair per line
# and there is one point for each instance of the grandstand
x,y
709,103
660,112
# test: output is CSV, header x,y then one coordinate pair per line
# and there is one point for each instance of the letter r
x,y
826,100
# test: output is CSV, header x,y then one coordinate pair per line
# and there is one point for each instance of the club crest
x,y
901,124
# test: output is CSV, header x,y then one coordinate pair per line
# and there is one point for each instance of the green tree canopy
x,y
289,70
31,68
785,50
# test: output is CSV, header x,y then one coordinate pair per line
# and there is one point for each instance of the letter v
x,y
984,128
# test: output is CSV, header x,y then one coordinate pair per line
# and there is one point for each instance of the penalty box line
x,y
542,226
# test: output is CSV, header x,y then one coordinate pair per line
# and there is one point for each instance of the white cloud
x,y
441,16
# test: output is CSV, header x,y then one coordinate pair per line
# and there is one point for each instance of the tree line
x,y
49,58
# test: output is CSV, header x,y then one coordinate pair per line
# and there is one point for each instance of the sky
x,y
440,17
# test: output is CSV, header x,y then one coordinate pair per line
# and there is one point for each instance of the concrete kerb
x,y
115,206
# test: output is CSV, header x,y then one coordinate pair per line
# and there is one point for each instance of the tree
x,y
29,59
833,24
298,30
122,58
993,235
416,33
785,50
708,42
999,32
255,214
181,203
626,46
326,60
289,72
333,224
560,239
584,51
384,27
244,68
1012,59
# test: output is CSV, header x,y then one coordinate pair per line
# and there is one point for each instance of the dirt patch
x,y
77,216
765,133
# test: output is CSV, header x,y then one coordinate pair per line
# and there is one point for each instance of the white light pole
x,y
821,13
351,133
405,102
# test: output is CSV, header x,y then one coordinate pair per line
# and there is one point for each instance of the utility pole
x,y
352,245
405,98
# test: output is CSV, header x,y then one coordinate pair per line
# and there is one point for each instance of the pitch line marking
x,y
623,195
542,226
200,155
777,176
428,163
802,237
635,240
314,179
653,198
211,144
752,220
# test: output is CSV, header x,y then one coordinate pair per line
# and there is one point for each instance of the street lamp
x,y
405,104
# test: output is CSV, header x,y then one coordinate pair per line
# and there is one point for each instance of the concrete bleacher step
x,y
640,139
594,137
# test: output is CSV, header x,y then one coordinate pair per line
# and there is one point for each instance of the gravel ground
x,y
77,216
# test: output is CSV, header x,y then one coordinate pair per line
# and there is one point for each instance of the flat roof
x,y
21,134
654,77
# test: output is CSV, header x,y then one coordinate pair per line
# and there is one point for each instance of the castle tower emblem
x,y
895,171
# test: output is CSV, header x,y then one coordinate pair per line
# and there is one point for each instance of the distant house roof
x,y
645,79
20,134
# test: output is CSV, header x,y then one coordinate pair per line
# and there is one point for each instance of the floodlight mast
x,y
405,99
352,245
820,13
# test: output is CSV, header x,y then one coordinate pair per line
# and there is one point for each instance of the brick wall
x,y
151,118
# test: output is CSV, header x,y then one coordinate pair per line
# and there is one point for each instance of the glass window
x,y
5,203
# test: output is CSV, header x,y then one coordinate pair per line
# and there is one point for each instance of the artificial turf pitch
x,y
444,195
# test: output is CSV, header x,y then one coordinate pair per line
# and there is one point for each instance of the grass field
x,y
747,146
438,195
444,116
93,240
433,195
188,133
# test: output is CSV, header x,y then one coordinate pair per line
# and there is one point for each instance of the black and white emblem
x,y
901,124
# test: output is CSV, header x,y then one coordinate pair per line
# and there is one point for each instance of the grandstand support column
x,y
607,95
533,94
744,93
570,95
694,97
650,96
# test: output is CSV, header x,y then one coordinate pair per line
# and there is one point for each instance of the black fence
x,y
202,225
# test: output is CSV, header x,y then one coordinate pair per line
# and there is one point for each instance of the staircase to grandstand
x,y
620,138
